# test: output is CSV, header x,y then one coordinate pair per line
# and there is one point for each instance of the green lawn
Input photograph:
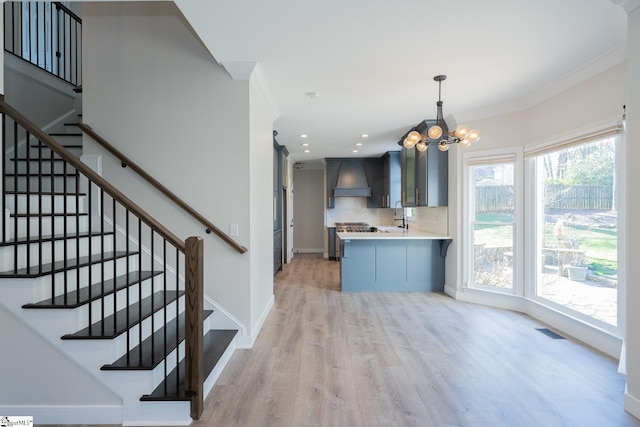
x,y
600,244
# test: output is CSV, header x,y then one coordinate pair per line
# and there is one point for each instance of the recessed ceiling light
x,y
359,144
307,151
364,135
305,144
303,135
355,151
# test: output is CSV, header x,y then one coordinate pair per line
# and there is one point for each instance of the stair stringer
x,y
90,355
12,294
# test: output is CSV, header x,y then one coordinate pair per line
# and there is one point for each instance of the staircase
x,y
103,281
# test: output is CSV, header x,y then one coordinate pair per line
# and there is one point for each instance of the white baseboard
x,y
247,341
631,405
52,414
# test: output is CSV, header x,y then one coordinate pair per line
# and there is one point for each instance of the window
x,y
576,225
492,218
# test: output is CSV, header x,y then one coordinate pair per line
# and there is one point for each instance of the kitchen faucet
x,y
395,212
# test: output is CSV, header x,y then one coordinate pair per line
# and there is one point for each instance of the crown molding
x,y
252,72
627,5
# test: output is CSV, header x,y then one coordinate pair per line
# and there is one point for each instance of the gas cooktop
x,y
354,227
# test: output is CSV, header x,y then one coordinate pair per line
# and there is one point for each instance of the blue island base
x,y
378,265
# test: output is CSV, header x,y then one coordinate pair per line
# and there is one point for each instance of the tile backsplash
x,y
354,209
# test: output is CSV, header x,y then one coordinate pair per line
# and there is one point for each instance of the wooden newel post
x,y
194,312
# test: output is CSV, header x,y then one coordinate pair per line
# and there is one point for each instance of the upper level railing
x,y
48,35
126,162
70,226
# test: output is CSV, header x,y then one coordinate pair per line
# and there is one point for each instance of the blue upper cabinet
x,y
425,177
383,175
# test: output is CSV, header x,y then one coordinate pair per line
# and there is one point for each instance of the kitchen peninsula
x,y
392,259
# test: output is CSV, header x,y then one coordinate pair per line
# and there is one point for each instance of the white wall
x,y
308,208
40,96
154,92
260,162
30,383
632,402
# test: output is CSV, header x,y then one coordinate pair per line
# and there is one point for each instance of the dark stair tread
x,y
84,295
37,214
44,175
152,351
64,145
65,134
49,238
58,266
123,320
46,193
172,388
38,159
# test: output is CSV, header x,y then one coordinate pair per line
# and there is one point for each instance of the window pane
x,y
493,221
578,229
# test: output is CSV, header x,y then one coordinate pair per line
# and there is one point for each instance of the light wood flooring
x,y
325,358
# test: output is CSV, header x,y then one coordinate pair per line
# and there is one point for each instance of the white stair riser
x,y
43,183
46,252
50,225
42,285
36,167
35,201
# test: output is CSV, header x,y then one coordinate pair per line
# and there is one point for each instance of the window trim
x,y
532,211
469,159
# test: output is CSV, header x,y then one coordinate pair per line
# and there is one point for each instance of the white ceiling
x,y
372,62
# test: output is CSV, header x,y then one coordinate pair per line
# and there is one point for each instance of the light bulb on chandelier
x,y
435,133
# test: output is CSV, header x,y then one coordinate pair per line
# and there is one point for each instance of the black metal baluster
x,y
178,326
139,288
102,260
76,178
128,296
153,317
63,72
49,52
52,214
40,210
37,33
65,231
15,197
115,270
90,208
29,32
28,194
164,296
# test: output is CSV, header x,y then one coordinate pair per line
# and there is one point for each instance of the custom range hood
x,y
351,181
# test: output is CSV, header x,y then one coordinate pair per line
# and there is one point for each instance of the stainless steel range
x,y
350,227
353,227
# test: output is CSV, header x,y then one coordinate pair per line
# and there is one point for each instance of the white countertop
x,y
392,233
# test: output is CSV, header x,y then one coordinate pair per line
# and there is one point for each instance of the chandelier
x,y
438,133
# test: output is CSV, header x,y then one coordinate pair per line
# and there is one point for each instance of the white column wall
x,y
260,163
153,91
632,401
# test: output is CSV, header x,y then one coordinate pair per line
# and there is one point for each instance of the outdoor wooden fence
x,y
499,198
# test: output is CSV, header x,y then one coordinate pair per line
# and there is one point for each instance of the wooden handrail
x,y
164,190
92,175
